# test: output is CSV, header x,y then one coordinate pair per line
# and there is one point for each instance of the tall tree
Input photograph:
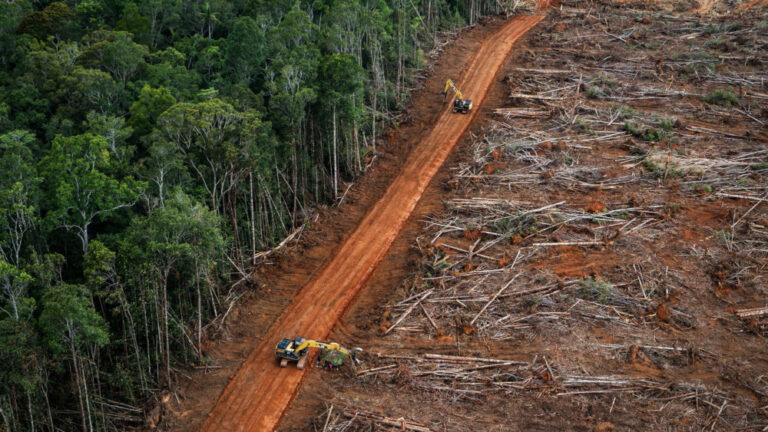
x,y
82,189
117,53
70,325
219,143
246,48
115,132
180,232
148,107
18,193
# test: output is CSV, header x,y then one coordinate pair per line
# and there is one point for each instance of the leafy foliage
x,y
725,97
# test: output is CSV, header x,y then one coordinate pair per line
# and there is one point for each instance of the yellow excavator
x,y
297,350
460,104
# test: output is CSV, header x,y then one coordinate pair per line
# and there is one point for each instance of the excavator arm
x,y
331,346
297,349
449,85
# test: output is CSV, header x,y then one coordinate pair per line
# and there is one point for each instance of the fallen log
x,y
751,312
536,97
581,243
460,359
408,312
521,112
376,369
746,197
495,295
401,423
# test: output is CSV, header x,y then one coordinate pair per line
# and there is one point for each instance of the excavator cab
x,y
460,104
286,348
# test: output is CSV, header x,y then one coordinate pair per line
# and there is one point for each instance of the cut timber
x,y
400,424
376,369
497,294
408,312
259,393
536,97
521,112
459,359
583,243
751,312
715,132
544,71
746,197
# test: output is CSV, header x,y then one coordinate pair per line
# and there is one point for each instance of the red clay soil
x,y
759,3
259,393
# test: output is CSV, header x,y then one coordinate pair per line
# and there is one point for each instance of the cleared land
x,y
600,260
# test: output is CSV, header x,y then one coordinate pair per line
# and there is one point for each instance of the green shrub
x,y
650,135
654,135
626,112
706,188
657,167
722,97
667,124
597,291
632,129
715,43
594,92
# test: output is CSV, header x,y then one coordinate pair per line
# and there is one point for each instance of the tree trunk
x,y
253,220
5,419
373,113
294,182
199,314
31,417
165,327
134,339
44,388
335,161
87,400
359,167
233,213
77,377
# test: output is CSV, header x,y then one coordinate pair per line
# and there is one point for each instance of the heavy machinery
x,y
460,104
297,349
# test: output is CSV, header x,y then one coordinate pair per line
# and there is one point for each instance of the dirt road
x,y
257,396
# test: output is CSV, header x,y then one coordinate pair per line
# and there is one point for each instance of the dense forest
x,y
148,148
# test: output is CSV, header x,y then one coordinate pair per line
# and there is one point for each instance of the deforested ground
x,y
596,258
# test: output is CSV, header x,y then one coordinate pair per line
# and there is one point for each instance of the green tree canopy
x,y
18,192
116,53
78,174
148,107
68,320
56,20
